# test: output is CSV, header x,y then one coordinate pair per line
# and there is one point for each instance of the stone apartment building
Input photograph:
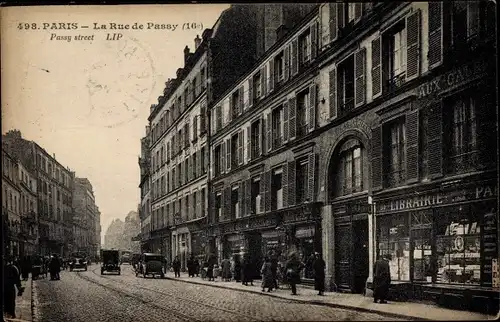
x,y
28,211
11,212
358,134
86,218
144,208
54,192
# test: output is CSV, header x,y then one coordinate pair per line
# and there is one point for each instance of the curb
x,y
32,301
314,302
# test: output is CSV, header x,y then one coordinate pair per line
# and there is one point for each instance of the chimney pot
x,y
197,42
186,54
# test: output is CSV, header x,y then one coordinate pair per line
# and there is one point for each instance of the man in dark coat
x,y
176,265
381,279
247,271
293,268
319,273
274,269
11,280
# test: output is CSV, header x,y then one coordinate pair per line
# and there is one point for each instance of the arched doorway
x,y
347,192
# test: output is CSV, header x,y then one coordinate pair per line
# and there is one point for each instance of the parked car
x,y
110,261
78,261
150,264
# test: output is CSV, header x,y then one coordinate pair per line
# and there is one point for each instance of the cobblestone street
x,y
88,296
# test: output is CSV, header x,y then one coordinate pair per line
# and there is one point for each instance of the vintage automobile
x,y
126,257
78,260
110,261
150,264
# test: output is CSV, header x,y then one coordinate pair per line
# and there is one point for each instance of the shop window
x,y
349,173
394,56
256,145
235,209
277,119
345,85
302,181
277,189
218,160
458,246
421,234
462,140
393,239
395,154
256,196
302,108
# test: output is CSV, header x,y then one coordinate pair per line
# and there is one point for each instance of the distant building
x,y
11,212
113,239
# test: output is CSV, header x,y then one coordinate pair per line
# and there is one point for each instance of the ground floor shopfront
x,y
282,231
442,240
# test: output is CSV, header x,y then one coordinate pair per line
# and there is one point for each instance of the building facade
x,y
85,218
28,211
11,212
132,228
54,193
145,187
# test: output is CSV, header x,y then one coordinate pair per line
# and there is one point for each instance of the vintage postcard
x,y
328,161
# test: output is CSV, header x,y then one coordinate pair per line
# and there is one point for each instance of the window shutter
x,y
227,203
291,182
413,45
263,187
435,54
376,67
198,204
198,164
286,70
249,143
285,121
250,91
360,80
312,106
412,143
340,15
212,164
248,197
473,19
311,169
285,185
268,190
228,154
261,135
231,109
241,198
223,158
358,11
486,125
263,81
334,28
271,75
189,167
376,158
435,140
295,58
269,134
333,93
314,40
240,147
214,215
292,126
241,100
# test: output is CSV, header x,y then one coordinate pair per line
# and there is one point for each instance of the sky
x,y
84,94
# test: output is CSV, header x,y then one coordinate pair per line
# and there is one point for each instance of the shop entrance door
x,y
360,254
254,250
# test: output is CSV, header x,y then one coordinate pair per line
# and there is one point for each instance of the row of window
x,y
47,189
280,68
9,167
192,91
184,209
46,210
284,186
190,169
53,171
26,179
10,200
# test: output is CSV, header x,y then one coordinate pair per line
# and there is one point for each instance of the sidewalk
x,y
24,303
405,310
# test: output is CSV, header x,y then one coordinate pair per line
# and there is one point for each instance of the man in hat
x,y
381,279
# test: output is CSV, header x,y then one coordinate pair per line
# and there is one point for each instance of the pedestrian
x,y
210,268
267,275
54,267
197,267
237,268
26,268
11,281
274,268
226,270
293,268
319,273
190,266
381,279
176,265
247,271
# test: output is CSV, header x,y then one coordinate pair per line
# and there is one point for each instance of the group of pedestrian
x,y
193,266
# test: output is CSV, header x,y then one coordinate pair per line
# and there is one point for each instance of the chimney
x,y
197,42
153,106
186,54
54,155
179,72
280,32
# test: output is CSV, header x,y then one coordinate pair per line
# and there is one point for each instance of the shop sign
x,y
437,198
453,78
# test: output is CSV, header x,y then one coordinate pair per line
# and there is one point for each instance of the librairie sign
x,y
431,199
456,77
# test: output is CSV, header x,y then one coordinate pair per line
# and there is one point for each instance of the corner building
x,y
263,164
407,149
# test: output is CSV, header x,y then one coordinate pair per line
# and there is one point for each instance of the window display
x,y
394,239
458,247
